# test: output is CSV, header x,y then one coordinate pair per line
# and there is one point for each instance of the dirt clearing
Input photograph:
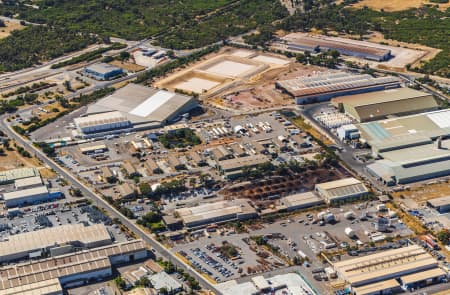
x,y
397,5
10,26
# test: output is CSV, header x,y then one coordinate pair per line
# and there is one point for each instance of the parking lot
x,y
205,254
56,214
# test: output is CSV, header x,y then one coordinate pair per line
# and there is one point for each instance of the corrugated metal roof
x,y
326,83
29,241
25,193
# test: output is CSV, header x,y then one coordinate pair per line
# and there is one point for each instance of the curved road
x,y
100,202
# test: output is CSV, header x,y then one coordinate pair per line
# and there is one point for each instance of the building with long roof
x,y
412,164
218,212
48,276
382,104
403,132
341,190
9,176
325,86
321,43
53,240
387,270
134,107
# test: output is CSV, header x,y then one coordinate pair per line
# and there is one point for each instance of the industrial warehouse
x,y
412,164
133,107
217,212
53,241
389,271
320,43
102,71
324,86
341,190
49,276
411,148
9,176
381,104
402,132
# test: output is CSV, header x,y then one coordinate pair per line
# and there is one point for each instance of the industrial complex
x,y
390,271
324,86
133,107
382,104
320,43
49,276
54,241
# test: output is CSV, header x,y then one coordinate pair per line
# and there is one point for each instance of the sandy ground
x,y
230,68
197,85
428,53
13,160
423,193
128,66
260,92
10,26
396,5
221,73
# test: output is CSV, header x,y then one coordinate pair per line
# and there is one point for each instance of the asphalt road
x,y
104,205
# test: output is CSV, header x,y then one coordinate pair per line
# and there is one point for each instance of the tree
x,y
144,282
120,282
444,236
124,55
76,192
145,189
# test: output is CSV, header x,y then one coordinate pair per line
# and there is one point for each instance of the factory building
x,y
134,107
9,176
49,276
102,71
325,86
53,241
412,164
442,204
341,190
301,201
32,195
382,104
407,267
103,123
217,212
321,43
233,168
404,132
25,183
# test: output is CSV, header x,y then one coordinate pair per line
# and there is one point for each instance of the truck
x,y
301,254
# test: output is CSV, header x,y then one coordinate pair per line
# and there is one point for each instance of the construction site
x,y
237,79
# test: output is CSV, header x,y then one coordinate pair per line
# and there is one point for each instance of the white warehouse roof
x,y
25,193
142,105
100,119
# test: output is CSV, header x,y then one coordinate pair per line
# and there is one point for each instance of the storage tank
x,y
349,232
329,217
349,215
238,128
